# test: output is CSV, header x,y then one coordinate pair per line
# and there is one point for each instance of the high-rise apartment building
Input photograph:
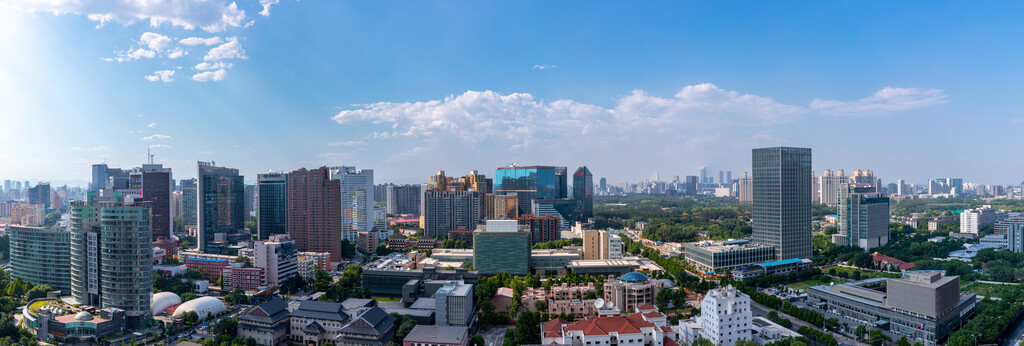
x,y
746,189
155,185
448,210
902,189
530,183
189,203
111,254
41,256
782,200
598,245
40,194
865,176
583,193
356,200
314,211
863,216
703,175
542,228
271,204
973,220
501,206
220,194
828,186
403,199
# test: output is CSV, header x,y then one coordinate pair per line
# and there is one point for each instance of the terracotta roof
x,y
880,258
646,306
654,314
555,324
605,325
669,342
666,329
553,334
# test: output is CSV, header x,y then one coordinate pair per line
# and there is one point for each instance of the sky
x,y
912,90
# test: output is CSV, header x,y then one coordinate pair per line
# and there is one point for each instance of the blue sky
x,y
912,90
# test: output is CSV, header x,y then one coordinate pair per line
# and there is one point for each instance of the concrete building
x,y
246,278
542,228
28,214
601,245
404,199
357,200
309,262
314,211
367,242
828,186
725,316
82,327
271,204
866,177
502,247
501,206
447,210
454,304
155,183
631,290
189,205
396,282
437,336
279,256
41,256
643,328
40,194
714,256
973,220
745,189
220,205
863,216
267,323
782,200
106,230
315,322
924,306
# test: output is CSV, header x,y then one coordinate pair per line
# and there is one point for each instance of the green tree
x,y
903,342
527,330
477,340
38,292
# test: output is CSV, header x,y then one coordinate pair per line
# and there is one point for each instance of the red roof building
x,y
635,329
885,262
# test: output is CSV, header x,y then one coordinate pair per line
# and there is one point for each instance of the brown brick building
x,y
314,211
542,228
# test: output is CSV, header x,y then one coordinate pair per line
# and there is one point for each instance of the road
x,y
495,336
762,310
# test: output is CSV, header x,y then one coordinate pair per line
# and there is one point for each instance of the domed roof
x,y
83,316
203,306
634,277
162,301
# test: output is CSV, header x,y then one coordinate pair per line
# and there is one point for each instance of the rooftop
x,y
437,334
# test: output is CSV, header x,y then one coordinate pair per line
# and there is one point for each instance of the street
x,y
762,310
495,336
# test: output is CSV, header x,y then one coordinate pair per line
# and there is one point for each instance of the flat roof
x,y
437,334
781,262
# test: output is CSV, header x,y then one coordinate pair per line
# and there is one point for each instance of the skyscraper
x,y
728,177
703,175
39,194
604,185
403,199
746,189
863,216
99,177
691,185
112,254
865,176
189,204
530,183
156,185
583,193
782,200
448,210
721,177
356,200
271,204
828,186
314,211
220,198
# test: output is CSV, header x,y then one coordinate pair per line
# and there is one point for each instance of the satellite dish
x,y
599,303
609,305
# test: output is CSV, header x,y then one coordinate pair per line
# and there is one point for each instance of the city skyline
x,y
625,90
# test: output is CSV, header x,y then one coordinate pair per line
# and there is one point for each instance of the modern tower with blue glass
x,y
530,183
271,204
782,200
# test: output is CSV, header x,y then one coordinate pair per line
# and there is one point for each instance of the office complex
x,y
1013,230
314,211
279,256
189,205
357,200
453,304
444,211
863,216
403,199
583,193
725,316
271,204
530,183
41,256
220,202
601,245
111,254
155,185
502,247
782,200
631,290
711,256
924,306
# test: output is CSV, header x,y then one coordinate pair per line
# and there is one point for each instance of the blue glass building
x,y
531,182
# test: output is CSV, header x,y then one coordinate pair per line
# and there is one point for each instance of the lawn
x,y
803,285
989,290
863,274
39,305
386,299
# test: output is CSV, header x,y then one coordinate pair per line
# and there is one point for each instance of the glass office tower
x,y
271,204
530,183
583,193
782,200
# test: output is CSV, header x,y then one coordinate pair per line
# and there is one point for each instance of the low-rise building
x,y
249,279
454,304
367,242
437,336
316,322
309,262
608,267
764,331
924,306
631,290
267,323
711,256
372,327
637,329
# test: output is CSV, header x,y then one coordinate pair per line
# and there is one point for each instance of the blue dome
x,y
634,277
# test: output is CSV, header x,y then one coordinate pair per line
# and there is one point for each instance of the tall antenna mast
x,y
150,156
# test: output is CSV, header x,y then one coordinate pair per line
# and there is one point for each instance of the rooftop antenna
x,y
150,156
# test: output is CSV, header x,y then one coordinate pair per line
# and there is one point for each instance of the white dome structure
x,y
162,301
203,306
83,316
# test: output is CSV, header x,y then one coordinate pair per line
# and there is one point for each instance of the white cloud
x,y
207,76
347,144
129,55
214,66
544,67
195,41
887,100
96,148
229,50
164,146
209,15
414,152
151,125
162,76
176,53
152,137
266,6
155,41
335,156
